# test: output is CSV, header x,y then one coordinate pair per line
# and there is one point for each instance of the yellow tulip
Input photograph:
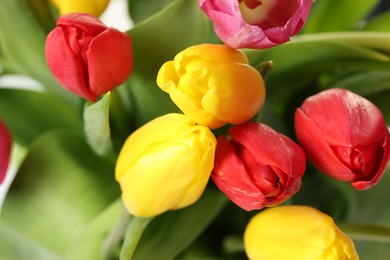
x,y
295,233
213,85
94,7
165,165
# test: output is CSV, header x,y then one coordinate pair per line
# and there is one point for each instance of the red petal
x,y
66,66
374,176
344,118
270,147
317,148
84,22
110,61
5,150
230,176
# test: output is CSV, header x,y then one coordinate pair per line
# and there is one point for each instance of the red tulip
x,y
5,150
254,23
345,136
258,167
87,57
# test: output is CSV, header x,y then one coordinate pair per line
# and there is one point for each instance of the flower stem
x,y
115,235
133,234
367,232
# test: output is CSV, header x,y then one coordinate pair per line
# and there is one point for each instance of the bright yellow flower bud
x,y
165,165
296,233
94,7
213,85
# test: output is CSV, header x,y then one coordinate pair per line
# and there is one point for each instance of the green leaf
x,y
140,9
379,23
370,207
42,13
60,187
335,15
299,63
169,234
29,113
15,246
155,41
22,42
366,82
97,126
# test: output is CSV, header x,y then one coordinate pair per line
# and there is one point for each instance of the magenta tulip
x,y
345,136
5,150
258,167
256,24
87,57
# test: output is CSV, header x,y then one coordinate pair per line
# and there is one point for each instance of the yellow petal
x,y
95,7
236,93
165,165
294,233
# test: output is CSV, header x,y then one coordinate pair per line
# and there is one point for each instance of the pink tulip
x,y
254,23
258,167
5,150
87,57
345,136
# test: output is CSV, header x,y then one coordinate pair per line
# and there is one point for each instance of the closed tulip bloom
x,y
295,233
87,57
213,85
95,7
258,167
5,150
165,165
254,23
345,136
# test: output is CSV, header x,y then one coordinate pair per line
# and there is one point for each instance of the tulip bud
x,y
86,57
258,167
296,232
213,85
345,136
5,150
165,165
95,7
254,23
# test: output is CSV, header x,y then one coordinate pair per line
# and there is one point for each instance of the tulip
x,y
345,136
295,233
95,7
254,23
86,57
5,150
165,165
213,85
258,167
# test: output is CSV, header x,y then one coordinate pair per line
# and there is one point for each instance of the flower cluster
x,y
166,163
217,137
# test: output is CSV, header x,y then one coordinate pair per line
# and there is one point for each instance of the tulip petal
x,y
270,148
231,178
234,99
345,118
317,148
269,24
110,61
83,22
5,150
69,71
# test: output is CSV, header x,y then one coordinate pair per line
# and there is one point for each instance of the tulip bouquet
x,y
211,129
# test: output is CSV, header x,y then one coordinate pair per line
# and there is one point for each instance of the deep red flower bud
x,y
87,57
345,136
5,150
258,167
